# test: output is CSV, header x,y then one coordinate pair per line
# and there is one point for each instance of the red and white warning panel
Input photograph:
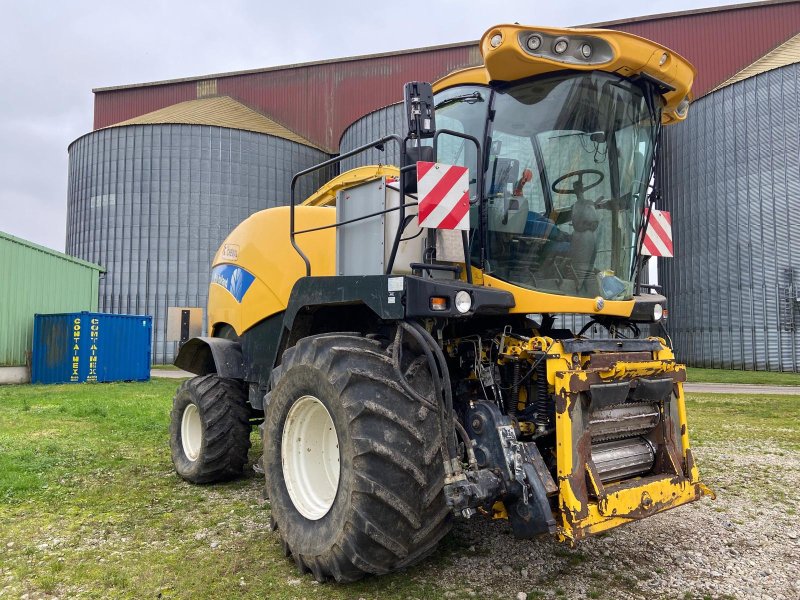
x,y
443,192
658,237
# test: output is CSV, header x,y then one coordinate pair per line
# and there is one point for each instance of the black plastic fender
x,y
204,355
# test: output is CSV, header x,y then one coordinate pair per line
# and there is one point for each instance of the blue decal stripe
x,y
233,278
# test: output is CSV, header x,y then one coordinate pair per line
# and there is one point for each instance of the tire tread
x,y
399,514
223,407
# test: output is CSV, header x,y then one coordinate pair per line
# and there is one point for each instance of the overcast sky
x,y
53,53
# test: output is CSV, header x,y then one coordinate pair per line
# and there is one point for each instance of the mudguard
x,y
204,355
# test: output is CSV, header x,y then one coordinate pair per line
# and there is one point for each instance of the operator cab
x,y
569,162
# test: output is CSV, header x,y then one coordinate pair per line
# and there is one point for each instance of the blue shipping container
x,y
90,347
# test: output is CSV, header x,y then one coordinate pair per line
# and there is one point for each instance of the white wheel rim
x,y
191,432
310,457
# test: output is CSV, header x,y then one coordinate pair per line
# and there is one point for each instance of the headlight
x,y
463,302
496,40
658,312
572,50
534,42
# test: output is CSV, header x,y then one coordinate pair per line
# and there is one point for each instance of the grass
x,y
90,505
696,375
742,419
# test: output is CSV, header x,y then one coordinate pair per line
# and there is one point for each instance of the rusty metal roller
x,y
622,421
623,458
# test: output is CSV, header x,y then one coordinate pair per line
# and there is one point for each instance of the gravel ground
x,y
745,544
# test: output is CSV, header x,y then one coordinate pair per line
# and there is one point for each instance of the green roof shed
x,y
35,279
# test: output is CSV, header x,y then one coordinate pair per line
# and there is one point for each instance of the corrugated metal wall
x,y
730,175
37,280
134,101
370,127
152,204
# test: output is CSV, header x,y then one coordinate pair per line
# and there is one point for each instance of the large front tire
x,y
353,463
210,429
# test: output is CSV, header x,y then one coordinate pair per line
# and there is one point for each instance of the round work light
x,y
463,302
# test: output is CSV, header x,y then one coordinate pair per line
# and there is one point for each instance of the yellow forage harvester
x,y
404,376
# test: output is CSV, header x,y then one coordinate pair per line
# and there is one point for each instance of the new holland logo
x,y
230,252
234,279
236,283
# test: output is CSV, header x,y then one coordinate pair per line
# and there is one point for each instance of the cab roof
x,y
515,52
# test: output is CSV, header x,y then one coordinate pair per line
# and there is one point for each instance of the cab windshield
x,y
569,166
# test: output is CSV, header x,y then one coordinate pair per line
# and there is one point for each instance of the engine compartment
x,y
569,435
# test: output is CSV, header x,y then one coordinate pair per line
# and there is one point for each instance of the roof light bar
x,y
574,50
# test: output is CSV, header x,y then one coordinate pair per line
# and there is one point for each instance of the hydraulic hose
x,y
440,409
445,378
473,462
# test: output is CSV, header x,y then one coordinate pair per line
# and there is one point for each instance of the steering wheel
x,y
578,188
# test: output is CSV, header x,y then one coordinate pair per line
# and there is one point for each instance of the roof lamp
x,y
534,42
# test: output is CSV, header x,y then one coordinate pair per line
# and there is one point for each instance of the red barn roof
x,y
319,100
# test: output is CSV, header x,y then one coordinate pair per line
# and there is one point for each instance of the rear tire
x,y
380,505
210,429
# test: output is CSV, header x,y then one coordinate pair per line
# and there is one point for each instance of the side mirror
x,y
418,100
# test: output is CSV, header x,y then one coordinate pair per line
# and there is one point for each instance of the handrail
x,y
361,218
376,144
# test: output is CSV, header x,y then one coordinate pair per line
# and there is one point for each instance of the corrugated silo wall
x,y
730,176
370,127
152,203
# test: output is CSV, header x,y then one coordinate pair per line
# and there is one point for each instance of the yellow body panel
x,y
625,505
469,76
632,55
261,245
532,301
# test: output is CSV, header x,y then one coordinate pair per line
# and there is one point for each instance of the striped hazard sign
x,y
658,236
443,192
